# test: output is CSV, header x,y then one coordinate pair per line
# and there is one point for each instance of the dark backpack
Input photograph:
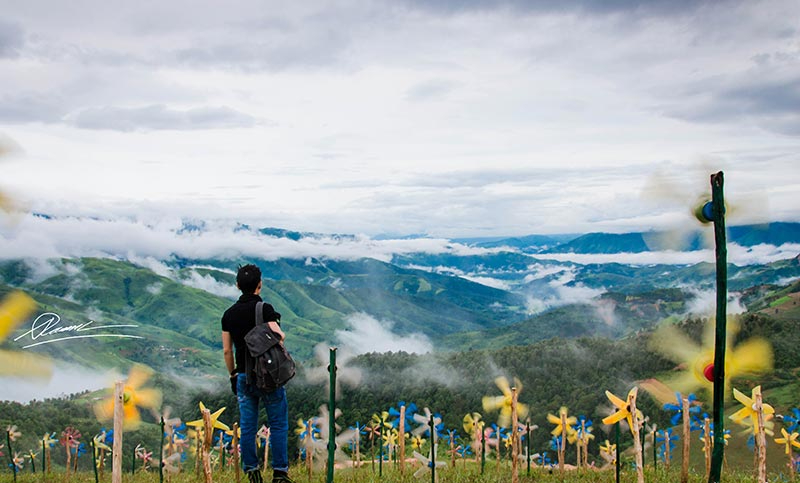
x,y
268,364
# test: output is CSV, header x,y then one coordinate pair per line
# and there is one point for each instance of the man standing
x,y
236,323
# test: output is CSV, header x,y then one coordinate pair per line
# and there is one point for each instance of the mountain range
x,y
509,293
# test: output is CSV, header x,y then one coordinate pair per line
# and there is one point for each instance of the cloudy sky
x,y
450,118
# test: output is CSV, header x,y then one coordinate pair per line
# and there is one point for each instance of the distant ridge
x,y
776,233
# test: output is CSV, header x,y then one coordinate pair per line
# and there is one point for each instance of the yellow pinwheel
x,y
215,422
417,442
504,402
789,440
609,452
753,356
134,397
14,308
471,422
749,411
560,421
623,409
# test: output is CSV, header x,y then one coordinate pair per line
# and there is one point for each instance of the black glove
x,y
234,380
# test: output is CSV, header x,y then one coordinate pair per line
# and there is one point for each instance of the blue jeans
x,y
278,417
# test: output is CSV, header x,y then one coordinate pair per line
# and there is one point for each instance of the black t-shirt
x,y
240,318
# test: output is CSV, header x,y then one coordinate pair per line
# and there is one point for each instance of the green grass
x,y
461,474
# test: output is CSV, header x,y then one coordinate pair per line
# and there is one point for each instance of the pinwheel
x,y
171,464
464,452
214,416
583,434
759,414
18,461
427,464
405,418
208,422
171,425
563,431
417,442
69,439
452,436
141,453
263,436
373,430
134,396
789,440
753,356
77,452
309,437
489,439
608,452
11,435
358,430
424,428
101,443
667,439
14,308
506,402
685,410
323,423
48,442
793,420
627,410
389,440
473,426
344,372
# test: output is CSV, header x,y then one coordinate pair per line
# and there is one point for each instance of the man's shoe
x,y
254,476
281,478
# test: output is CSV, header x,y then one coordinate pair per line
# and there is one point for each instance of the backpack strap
x,y
259,313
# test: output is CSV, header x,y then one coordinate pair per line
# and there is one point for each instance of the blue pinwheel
x,y
410,410
464,451
556,442
793,420
677,409
667,441
543,459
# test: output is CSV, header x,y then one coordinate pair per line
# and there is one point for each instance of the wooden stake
x,y
686,437
208,436
236,450
402,438
761,438
707,444
637,442
116,454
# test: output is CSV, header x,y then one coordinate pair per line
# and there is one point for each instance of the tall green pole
x,y
528,443
380,449
44,464
332,415
718,211
10,453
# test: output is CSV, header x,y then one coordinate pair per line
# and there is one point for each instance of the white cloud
x,y
367,334
704,303
147,244
489,282
211,285
737,255
66,379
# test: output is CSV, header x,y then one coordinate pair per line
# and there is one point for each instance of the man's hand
x,y
234,380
